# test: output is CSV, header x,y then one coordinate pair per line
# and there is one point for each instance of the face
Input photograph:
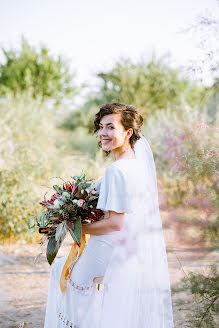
x,y
112,134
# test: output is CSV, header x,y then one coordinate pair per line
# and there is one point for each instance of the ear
x,y
130,132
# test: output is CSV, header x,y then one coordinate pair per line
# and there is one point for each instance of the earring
x,y
126,149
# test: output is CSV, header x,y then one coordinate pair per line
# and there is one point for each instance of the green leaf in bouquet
x,y
31,223
75,230
75,177
52,249
43,218
40,219
79,189
61,231
78,178
87,185
57,189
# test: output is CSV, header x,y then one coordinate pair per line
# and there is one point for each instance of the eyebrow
x,y
107,123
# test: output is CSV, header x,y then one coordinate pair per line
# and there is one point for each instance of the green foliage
x,y
83,142
36,71
34,152
21,163
184,145
205,291
149,86
185,148
15,200
52,249
28,159
211,233
76,232
81,118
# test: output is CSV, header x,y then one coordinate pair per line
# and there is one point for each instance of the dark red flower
x,y
82,197
75,190
43,203
55,196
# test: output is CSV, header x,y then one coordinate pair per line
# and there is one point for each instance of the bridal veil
x,y
136,284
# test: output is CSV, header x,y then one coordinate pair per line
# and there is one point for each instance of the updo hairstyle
x,y
130,117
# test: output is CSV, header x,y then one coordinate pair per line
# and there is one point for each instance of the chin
x,y
106,149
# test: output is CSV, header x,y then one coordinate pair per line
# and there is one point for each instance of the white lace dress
x,y
83,306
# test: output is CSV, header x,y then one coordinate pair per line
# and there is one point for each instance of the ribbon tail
x,y
73,256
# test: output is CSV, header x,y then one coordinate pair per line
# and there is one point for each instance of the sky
x,y
94,34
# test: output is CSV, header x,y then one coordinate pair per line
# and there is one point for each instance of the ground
x,y
24,285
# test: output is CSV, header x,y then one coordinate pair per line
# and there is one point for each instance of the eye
x,y
110,127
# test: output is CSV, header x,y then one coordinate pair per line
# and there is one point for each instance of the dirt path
x,y
24,285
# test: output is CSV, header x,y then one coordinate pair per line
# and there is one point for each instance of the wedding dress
x,y
135,292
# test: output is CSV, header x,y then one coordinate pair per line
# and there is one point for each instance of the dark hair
x,y
130,118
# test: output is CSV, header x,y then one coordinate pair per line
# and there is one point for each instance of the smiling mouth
x,y
106,140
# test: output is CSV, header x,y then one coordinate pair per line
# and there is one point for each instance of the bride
x,y
126,248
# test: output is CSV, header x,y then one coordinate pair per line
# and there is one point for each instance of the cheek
x,y
112,133
116,137
99,133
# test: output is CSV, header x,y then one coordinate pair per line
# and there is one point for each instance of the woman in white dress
x,y
127,247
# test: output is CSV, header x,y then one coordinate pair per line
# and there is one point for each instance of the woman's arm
x,y
113,223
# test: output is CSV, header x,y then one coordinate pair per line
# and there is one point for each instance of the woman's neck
x,y
125,155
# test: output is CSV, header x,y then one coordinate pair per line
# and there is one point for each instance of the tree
x,y
149,86
36,71
205,66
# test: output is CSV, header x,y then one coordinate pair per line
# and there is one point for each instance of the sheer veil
x,y
140,287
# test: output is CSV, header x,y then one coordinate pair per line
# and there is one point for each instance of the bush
x,y
205,292
29,69
34,153
149,86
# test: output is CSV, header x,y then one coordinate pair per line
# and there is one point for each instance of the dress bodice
x,y
121,189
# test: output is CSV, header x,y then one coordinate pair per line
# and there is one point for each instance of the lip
x,y
105,141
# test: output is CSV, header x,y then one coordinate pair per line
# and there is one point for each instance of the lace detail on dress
x,y
81,288
65,322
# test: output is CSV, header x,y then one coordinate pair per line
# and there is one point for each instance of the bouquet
x,y
73,204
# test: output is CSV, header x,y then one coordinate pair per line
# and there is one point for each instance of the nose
x,y
102,132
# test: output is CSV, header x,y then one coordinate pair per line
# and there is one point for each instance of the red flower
x,y
75,190
69,187
82,197
98,213
55,196
90,216
72,186
43,203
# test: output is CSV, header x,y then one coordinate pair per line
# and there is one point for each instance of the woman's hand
x,y
83,228
114,222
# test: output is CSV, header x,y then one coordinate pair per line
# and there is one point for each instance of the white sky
x,y
93,34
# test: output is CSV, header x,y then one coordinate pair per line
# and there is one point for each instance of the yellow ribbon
x,y
74,254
